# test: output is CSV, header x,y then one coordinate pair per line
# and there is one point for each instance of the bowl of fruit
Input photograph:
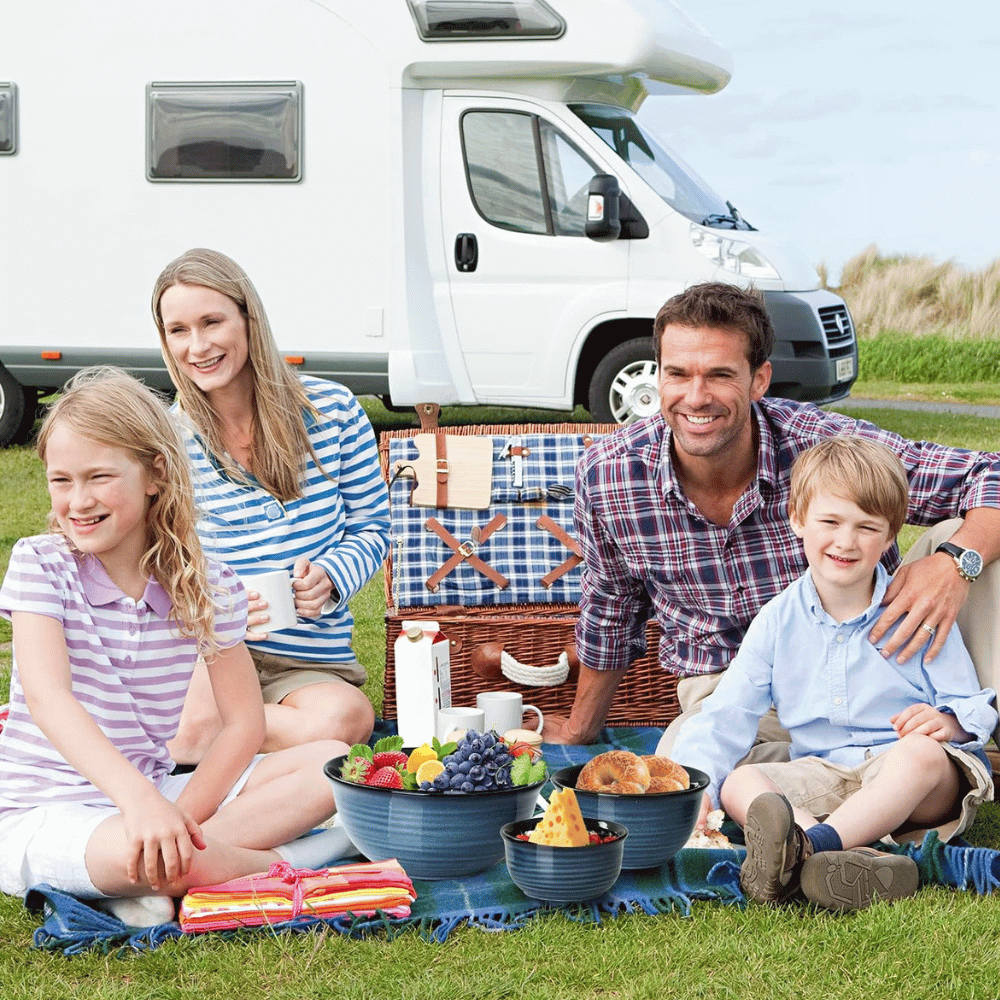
x,y
659,822
437,808
562,857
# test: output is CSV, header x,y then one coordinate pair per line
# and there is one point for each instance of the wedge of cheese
x,y
562,825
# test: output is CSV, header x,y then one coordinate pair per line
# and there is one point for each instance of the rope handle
x,y
519,673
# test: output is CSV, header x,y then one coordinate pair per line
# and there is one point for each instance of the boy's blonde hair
x,y
110,407
279,441
858,469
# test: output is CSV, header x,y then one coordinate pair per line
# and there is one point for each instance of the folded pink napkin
x,y
284,892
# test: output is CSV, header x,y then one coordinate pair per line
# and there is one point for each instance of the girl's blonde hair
x,y
110,407
279,440
858,469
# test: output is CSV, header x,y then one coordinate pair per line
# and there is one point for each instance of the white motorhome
x,y
439,200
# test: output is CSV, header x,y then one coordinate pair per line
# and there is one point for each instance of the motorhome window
x,y
502,164
8,118
568,174
223,131
665,172
469,20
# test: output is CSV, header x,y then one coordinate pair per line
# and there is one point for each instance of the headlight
x,y
732,255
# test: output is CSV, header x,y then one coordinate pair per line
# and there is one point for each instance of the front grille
x,y
837,327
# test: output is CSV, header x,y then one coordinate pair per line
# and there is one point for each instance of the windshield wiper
x,y
732,221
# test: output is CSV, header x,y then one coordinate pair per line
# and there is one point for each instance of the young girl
x,y
109,613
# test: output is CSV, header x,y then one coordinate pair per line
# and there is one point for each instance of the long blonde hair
x,y
110,407
279,440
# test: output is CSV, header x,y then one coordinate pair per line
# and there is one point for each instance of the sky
x,y
850,123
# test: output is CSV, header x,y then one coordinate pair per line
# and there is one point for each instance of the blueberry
x,y
477,773
457,781
475,758
467,786
465,767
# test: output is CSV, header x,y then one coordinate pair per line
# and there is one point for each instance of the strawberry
x,y
385,777
389,758
356,769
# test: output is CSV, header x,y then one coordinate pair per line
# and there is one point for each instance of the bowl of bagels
x,y
656,798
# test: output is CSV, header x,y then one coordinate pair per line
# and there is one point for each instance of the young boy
x,y
878,747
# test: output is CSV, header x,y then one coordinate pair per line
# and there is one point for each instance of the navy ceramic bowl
x,y
659,823
433,835
563,874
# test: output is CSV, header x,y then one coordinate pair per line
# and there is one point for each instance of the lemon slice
x,y
429,770
424,752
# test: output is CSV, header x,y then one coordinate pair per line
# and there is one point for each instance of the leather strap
x,y
466,551
547,524
441,468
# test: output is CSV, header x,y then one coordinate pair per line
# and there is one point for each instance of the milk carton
x,y
423,680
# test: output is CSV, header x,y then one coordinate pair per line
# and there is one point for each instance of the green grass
x,y
943,944
898,357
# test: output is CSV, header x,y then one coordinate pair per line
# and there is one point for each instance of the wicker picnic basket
x,y
494,646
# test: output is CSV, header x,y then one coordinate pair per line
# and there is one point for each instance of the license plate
x,y
845,369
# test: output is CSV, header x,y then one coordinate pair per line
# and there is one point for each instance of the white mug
x,y
276,588
458,720
504,710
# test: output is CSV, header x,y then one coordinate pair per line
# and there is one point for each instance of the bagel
x,y
666,775
619,772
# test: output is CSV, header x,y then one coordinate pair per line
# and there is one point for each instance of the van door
x,y
526,284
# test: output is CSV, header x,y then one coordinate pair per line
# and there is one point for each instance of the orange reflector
x,y
295,359
52,355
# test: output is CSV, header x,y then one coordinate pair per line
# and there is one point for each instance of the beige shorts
x,y
48,844
281,675
819,786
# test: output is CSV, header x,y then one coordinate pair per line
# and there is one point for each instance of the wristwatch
x,y
968,561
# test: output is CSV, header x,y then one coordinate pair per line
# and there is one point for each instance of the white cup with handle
x,y
504,710
458,720
275,587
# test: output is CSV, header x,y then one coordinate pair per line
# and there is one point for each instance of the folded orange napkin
x,y
284,892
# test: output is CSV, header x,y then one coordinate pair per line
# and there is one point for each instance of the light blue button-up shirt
x,y
832,688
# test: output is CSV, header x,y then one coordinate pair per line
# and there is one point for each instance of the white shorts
x,y
48,844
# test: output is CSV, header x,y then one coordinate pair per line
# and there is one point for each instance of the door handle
x,y
466,251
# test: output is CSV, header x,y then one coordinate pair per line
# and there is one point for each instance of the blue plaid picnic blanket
x,y
521,551
492,902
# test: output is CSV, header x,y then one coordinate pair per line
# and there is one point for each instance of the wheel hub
x,y
634,392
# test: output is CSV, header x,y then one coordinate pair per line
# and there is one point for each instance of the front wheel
x,y
624,386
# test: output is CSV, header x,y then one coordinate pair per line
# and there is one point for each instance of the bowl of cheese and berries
x,y
561,857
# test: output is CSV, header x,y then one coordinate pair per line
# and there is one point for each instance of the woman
x,y
286,476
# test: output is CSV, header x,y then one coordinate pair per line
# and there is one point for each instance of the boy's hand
x,y
162,839
706,808
928,721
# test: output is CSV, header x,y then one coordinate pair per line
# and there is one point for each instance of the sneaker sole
x,y
768,825
852,880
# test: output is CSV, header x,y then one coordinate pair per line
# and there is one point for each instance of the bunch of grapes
x,y
481,762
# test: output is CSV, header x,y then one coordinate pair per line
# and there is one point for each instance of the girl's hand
x,y
313,588
928,721
161,839
257,616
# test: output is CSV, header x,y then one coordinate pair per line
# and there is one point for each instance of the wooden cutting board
x,y
470,471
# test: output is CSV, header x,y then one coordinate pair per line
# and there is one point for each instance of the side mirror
x,y
603,223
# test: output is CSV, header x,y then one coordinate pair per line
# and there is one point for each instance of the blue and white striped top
x,y
341,523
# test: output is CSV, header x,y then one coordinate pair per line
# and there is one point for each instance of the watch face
x,y
971,563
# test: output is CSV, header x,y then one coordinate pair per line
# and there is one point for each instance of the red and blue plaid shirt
x,y
649,551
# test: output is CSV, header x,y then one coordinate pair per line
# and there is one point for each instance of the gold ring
x,y
928,628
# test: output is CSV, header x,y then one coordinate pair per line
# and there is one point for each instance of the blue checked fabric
x,y
521,551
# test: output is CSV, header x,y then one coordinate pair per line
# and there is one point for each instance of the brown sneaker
x,y
854,879
776,848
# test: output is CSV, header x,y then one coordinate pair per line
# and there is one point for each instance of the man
x,y
684,515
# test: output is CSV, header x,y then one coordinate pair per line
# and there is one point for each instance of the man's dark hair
x,y
722,306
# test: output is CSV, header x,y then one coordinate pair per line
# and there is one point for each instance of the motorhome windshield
x,y
665,172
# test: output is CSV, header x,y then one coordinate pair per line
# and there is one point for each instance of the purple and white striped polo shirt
x,y
130,666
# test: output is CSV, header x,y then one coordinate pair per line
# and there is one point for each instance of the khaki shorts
x,y
818,786
281,675
48,844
